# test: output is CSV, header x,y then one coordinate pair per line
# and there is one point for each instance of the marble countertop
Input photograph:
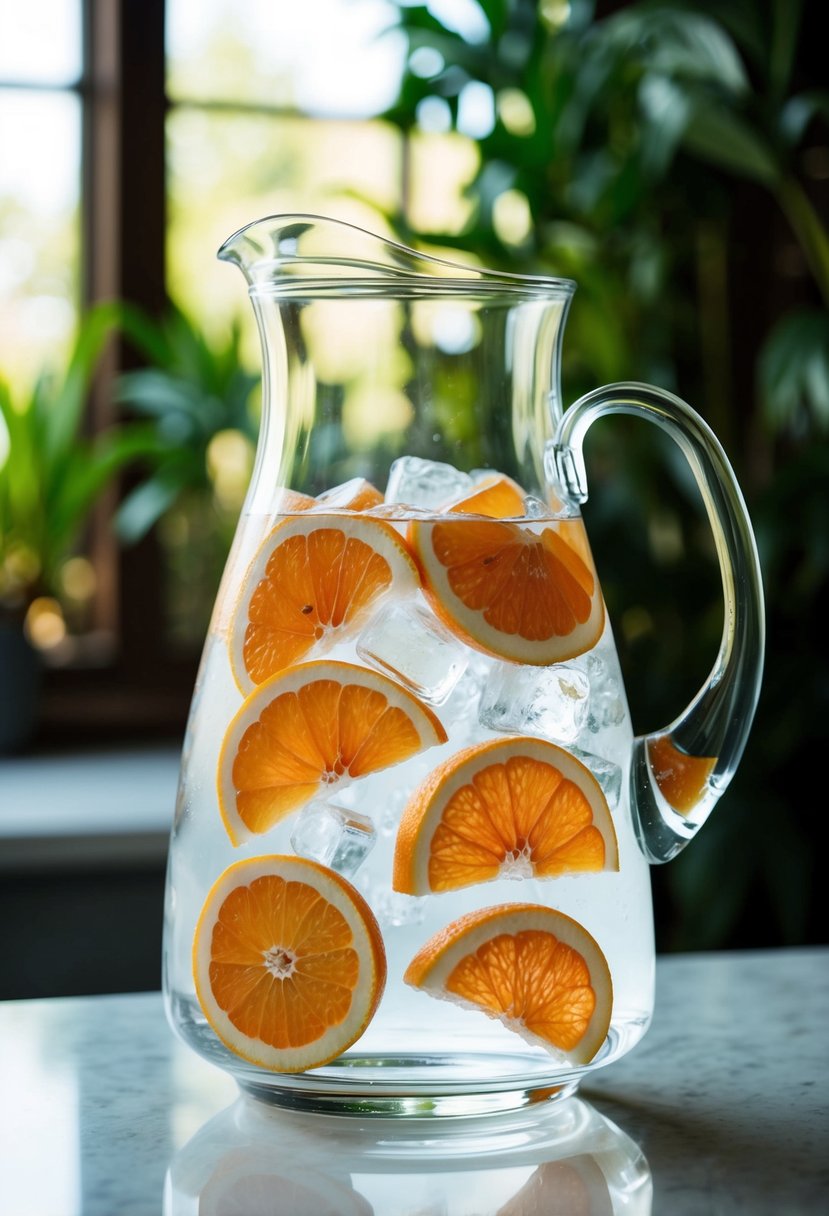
x,y
722,1109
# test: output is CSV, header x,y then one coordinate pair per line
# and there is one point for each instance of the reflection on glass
x,y
564,1159
39,227
326,57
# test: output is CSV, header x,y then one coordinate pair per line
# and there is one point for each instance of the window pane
x,y
325,57
226,170
40,134
40,41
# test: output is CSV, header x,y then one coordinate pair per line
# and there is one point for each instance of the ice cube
x,y
334,836
405,641
608,774
547,701
425,483
355,494
392,811
607,709
596,668
393,909
460,713
534,508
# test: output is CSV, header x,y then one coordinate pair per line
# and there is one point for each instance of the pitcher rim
x,y
480,281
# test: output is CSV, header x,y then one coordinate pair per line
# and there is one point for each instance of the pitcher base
x,y
368,1097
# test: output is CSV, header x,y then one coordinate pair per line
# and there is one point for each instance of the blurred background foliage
x,y
672,158
200,401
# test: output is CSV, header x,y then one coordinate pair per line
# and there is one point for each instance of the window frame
x,y
143,687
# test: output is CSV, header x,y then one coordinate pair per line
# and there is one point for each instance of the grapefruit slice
x,y
511,590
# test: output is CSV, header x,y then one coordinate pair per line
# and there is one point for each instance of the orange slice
x,y
682,779
311,728
572,1187
497,496
249,1182
314,579
531,596
509,808
288,962
534,969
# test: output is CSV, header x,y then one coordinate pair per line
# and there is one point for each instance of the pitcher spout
x,y
282,251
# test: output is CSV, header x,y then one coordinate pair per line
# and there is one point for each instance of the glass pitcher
x,y
409,869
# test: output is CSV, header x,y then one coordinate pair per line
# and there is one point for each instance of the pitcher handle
x,y
677,774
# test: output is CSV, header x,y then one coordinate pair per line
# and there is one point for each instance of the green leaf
x,y
497,14
145,505
787,16
794,374
53,475
158,395
722,137
94,466
666,107
799,111
62,418
678,44
146,334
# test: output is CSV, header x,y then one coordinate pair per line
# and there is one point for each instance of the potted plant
x,y
51,476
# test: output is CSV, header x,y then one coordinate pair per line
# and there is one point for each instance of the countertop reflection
x,y
561,1159
721,1109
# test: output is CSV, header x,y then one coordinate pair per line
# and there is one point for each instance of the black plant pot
x,y
20,679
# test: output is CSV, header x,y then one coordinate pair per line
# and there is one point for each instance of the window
x,y
269,111
141,136
40,178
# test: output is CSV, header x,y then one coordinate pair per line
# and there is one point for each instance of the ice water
x,y
416,1043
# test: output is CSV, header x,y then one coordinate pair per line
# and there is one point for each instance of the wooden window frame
x,y
142,688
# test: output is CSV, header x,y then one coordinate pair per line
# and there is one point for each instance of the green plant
x,y
197,396
51,472
192,391
634,147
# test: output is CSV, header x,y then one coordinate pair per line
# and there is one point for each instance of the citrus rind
x,y
426,724
306,628
367,943
425,809
536,619
431,969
